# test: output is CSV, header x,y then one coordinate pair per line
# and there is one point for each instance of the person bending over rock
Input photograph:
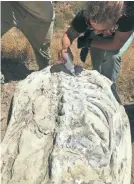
x,y
107,31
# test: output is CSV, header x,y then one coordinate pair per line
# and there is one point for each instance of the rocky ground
x,y
18,62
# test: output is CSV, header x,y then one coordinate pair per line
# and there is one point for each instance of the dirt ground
x,y
18,62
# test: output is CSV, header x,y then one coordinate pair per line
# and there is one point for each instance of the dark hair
x,y
103,11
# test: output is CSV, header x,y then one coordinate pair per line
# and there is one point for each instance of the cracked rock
x,y
66,130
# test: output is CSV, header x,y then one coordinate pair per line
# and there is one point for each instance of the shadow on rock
x,y
128,108
14,70
61,67
114,91
130,112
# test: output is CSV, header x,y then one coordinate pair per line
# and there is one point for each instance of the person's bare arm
x,y
115,44
69,36
65,41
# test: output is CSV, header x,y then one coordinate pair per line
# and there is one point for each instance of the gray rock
x,y
66,130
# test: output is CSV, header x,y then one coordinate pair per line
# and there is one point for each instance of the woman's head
x,y
103,15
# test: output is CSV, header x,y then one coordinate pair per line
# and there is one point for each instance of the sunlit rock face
x,y
66,130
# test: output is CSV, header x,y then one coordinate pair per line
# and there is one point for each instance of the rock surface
x,y
66,130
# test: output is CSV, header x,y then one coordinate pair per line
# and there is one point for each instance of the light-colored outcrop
x,y
66,130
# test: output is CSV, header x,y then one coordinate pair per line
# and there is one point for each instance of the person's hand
x,y
65,48
61,55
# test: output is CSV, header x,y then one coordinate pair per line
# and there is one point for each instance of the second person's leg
x,y
39,33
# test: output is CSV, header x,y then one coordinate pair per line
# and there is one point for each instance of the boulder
x,y
66,130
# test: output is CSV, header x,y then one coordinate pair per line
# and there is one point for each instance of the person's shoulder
x,y
129,8
79,22
125,23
